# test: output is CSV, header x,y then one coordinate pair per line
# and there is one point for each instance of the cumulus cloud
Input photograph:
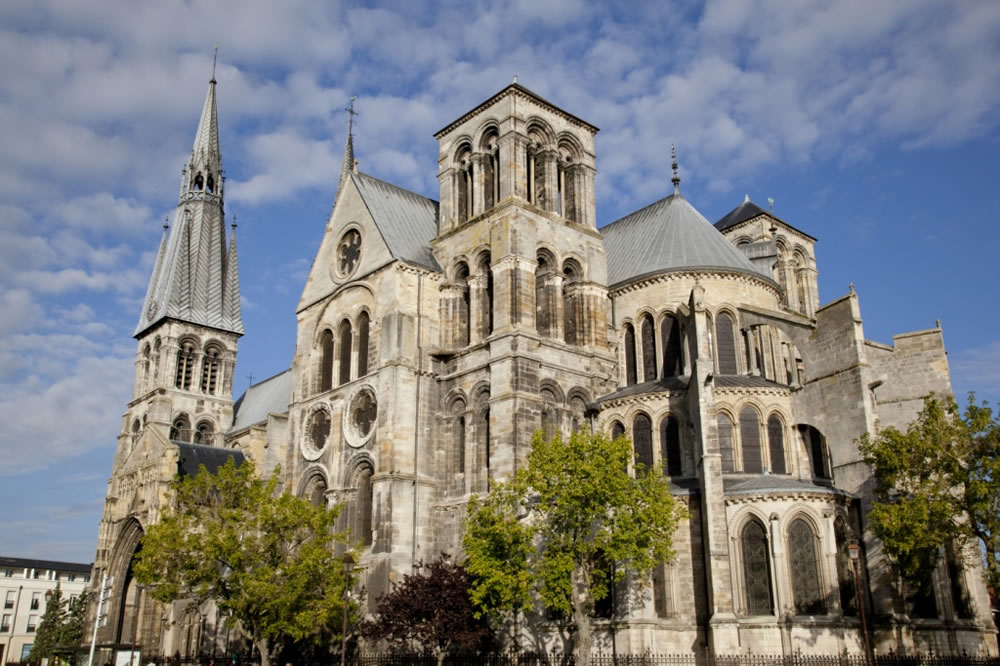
x,y
978,369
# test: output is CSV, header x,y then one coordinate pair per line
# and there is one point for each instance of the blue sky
x,y
873,125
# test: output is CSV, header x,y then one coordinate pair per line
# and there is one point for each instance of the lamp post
x,y
348,561
854,550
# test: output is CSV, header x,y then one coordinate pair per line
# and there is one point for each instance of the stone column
x,y
446,213
478,185
451,325
779,567
548,198
549,286
477,309
512,164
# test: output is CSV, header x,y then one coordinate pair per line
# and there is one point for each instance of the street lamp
x,y
854,550
348,562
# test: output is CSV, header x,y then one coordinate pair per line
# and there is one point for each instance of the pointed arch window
x,y
185,366
725,428
750,441
326,361
804,569
670,446
630,368
756,569
136,429
316,491
617,430
776,444
670,335
572,275
725,342
363,351
458,445
648,349
463,318
180,429
464,184
817,451
204,433
145,367
363,506
210,370
642,438
345,352
486,307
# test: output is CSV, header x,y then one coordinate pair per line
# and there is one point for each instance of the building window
x,y
345,352
363,325
642,436
617,430
756,569
8,573
180,431
631,371
36,600
363,515
348,253
9,601
670,446
750,441
204,434
725,428
803,569
648,349
845,570
725,342
5,623
776,444
326,361
185,366
817,451
32,624
670,336
210,370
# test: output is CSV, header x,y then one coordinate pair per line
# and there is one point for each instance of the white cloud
x,y
978,369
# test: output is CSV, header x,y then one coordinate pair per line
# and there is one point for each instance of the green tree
x,y
50,629
937,483
431,608
265,558
552,530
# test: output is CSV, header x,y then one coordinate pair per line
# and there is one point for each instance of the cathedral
x,y
434,338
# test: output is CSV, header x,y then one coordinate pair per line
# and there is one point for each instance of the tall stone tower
x,y
182,396
523,299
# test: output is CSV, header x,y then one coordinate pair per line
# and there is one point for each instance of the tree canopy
x,y
937,483
431,607
266,559
567,528
60,630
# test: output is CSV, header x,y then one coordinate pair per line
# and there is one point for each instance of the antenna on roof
x,y
677,178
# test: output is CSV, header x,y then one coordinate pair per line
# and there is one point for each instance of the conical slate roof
x,y
669,235
748,210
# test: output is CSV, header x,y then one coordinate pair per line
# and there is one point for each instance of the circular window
x,y
348,253
317,435
359,418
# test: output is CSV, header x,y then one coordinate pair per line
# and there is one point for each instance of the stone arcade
x,y
435,337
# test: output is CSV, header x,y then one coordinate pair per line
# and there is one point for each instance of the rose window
x,y
348,252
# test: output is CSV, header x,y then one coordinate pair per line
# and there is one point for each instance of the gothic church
x,y
435,337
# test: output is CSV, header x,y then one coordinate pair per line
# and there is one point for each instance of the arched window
x,y
326,361
670,335
136,429
345,352
756,569
750,441
491,170
210,183
363,350
776,444
145,368
199,181
549,414
464,184
578,410
670,446
458,445
363,506
725,427
545,293
463,317
617,430
210,370
204,434
486,268
185,365
630,367
316,491
817,451
572,274
180,429
845,570
961,604
642,438
804,569
725,343
648,349
567,204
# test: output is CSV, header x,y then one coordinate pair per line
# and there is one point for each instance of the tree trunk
x,y
584,639
264,648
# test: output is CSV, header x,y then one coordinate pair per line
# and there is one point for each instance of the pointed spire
x,y
206,158
231,314
676,180
348,164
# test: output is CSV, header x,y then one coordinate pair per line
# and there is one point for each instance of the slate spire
x,y
191,279
348,164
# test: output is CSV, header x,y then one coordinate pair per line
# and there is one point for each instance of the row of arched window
x,y
337,352
357,516
742,448
649,356
670,451
186,377
181,430
468,460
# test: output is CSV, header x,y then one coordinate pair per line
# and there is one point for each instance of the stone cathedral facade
x,y
435,337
